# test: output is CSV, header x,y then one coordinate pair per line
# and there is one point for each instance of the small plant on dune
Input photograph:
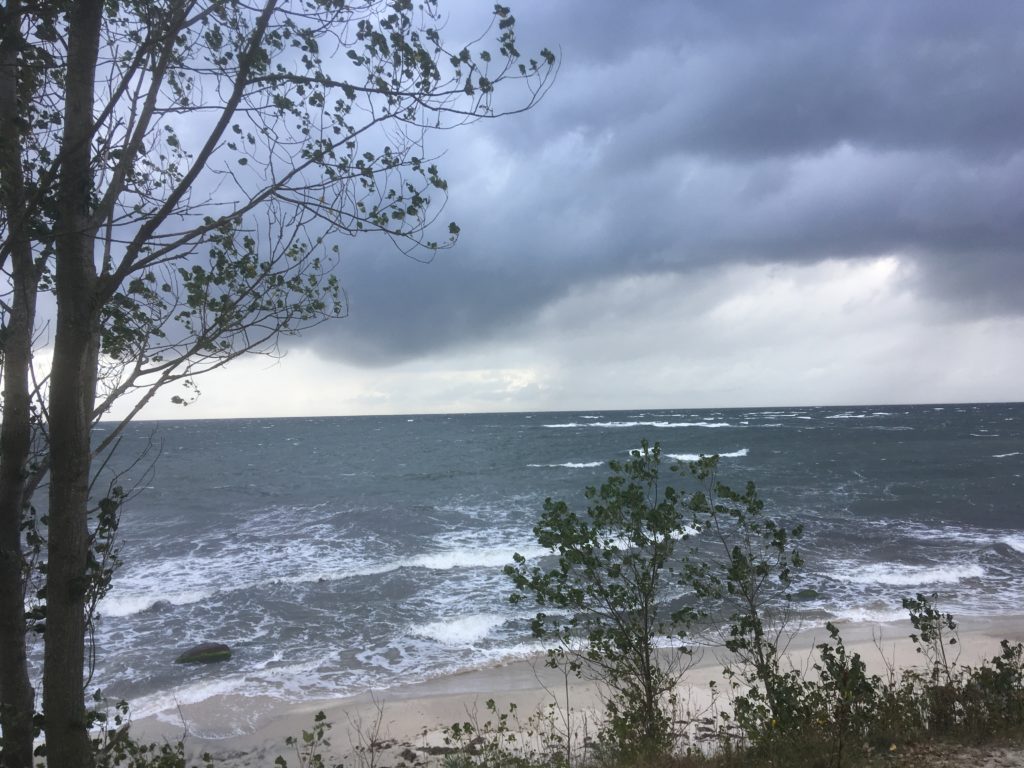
x,y
114,745
936,631
846,697
504,740
309,749
994,693
368,737
975,702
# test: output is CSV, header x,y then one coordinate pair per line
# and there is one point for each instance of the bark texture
x,y
17,698
72,394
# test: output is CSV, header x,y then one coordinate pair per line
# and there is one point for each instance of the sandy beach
x,y
408,721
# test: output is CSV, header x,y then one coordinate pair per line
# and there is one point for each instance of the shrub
x,y
605,599
743,573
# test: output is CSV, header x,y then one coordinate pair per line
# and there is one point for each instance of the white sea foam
x,y
629,424
571,464
260,686
337,573
869,614
623,543
1005,455
909,575
666,641
499,654
686,530
735,454
704,424
286,563
463,630
116,605
694,457
469,558
1014,541
442,560
162,704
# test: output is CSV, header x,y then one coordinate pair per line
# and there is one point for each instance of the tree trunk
x,y
72,395
17,699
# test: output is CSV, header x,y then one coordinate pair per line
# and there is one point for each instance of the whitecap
x,y
116,605
469,557
1014,541
463,630
705,424
695,457
909,575
443,560
571,464
1005,455
869,615
630,424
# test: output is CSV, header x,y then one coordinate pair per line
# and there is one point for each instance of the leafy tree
x,y
176,175
743,577
647,560
616,567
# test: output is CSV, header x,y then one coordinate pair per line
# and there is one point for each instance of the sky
x,y
717,204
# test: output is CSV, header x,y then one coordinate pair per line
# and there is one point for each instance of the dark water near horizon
x,y
340,554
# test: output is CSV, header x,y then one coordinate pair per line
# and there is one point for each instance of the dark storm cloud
x,y
683,135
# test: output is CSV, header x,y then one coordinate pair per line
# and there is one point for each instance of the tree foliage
x,y
649,564
177,176
743,575
605,599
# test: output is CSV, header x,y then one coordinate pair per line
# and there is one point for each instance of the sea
x,y
343,555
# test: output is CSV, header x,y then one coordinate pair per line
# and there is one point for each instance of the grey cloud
x,y
749,79
685,135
